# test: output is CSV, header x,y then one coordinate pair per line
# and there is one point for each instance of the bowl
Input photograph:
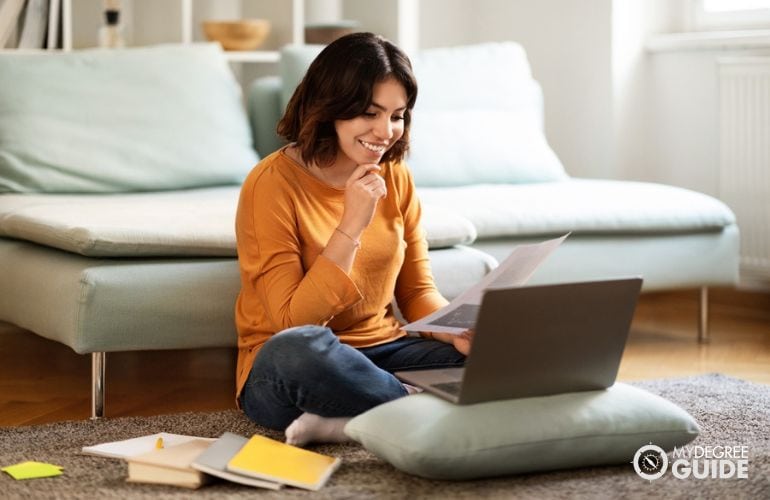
x,y
243,34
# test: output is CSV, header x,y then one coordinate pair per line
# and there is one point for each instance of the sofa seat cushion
x,y
581,206
122,304
185,223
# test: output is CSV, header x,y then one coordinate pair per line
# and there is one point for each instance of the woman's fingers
x,y
374,184
362,171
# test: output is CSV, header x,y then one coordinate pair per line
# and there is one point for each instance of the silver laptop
x,y
540,340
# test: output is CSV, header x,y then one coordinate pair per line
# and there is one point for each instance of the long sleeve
x,y
416,293
273,263
276,274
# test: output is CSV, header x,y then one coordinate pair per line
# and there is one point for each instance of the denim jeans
x,y
307,369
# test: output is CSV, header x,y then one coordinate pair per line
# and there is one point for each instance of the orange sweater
x,y
285,218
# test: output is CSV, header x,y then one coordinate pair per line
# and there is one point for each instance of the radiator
x,y
744,162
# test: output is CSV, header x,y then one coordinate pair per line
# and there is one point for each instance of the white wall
x,y
569,47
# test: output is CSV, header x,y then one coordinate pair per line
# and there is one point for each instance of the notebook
x,y
265,458
214,461
169,465
136,446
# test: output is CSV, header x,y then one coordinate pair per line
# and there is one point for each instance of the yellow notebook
x,y
265,458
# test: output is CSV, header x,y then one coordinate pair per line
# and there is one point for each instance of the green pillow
x,y
140,119
429,437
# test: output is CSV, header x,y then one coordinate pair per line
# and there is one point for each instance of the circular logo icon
x,y
650,462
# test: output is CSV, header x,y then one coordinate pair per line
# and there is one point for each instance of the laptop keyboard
x,y
452,388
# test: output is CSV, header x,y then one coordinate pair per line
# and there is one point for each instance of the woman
x,y
328,231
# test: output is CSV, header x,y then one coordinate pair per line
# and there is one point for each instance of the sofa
x,y
120,174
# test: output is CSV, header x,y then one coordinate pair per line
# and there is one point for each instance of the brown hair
x,y
338,86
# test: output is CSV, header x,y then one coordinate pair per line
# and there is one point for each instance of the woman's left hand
x,y
463,342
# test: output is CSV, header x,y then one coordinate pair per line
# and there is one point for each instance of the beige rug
x,y
730,411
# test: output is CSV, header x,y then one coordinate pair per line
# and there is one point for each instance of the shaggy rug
x,y
730,412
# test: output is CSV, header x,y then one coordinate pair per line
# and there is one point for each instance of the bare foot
x,y
311,428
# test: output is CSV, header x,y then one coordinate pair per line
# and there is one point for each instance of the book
x,y
35,27
10,12
169,465
54,15
137,446
265,458
214,461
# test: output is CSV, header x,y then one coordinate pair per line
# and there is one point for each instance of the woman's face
x,y
365,138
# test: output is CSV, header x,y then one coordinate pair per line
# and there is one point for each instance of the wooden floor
x,y
43,381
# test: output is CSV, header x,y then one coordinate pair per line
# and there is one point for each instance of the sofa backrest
x,y
141,119
478,118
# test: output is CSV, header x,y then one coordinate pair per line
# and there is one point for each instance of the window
x,y
730,14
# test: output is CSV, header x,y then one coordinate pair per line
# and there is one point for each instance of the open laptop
x,y
540,340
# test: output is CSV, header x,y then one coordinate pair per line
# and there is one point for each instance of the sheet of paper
x,y
33,470
460,314
136,446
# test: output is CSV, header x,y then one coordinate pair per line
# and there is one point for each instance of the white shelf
x,y
255,56
186,8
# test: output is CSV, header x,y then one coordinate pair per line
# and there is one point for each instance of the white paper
x,y
460,314
137,446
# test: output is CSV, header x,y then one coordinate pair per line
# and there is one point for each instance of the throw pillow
x,y
429,437
140,119
479,119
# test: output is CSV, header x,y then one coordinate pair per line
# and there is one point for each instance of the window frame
x,y
703,20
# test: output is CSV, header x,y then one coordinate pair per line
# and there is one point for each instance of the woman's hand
x,y
462,342
363,190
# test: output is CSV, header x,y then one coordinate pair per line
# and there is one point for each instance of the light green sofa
x,y
119,179
119,176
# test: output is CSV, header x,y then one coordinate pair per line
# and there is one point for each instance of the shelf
x,y
259,56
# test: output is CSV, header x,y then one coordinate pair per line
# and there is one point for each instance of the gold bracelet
x,y
355,241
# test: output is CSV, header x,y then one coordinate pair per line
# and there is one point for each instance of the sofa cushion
x,y
581,206
140,119
295,60
430,437
195,222
479,119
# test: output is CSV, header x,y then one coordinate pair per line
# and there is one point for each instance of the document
x,y
461,313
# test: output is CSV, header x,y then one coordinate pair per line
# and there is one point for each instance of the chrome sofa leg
x,y
98,360
703,320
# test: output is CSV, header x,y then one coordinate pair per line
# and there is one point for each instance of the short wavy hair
x,y
339,85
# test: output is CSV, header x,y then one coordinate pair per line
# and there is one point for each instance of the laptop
x,y
540,340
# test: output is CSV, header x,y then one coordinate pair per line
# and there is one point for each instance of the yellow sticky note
x,y
32,470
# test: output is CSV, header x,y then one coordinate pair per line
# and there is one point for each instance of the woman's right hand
x,y
363,190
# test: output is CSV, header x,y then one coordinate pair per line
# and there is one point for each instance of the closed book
x,y
169,465
214,461
265,458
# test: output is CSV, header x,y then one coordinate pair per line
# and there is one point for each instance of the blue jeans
x,y
307,369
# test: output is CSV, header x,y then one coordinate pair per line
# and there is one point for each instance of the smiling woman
x,y
328,230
